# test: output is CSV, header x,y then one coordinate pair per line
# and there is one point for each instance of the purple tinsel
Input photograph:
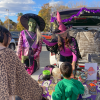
x,y
75,15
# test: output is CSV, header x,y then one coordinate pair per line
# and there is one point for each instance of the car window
x,y
45,34
15,34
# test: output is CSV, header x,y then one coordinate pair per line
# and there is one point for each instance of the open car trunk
x,y
86,30
80,17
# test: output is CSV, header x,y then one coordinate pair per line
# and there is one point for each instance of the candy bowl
x,y
83,75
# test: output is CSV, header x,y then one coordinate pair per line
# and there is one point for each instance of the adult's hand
x,y
73,65
44,88
42,38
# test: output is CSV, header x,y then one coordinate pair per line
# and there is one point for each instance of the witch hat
x,y
25,18
62,27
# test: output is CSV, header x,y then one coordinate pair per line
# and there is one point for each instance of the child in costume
x,y
67,45
30,41
67,89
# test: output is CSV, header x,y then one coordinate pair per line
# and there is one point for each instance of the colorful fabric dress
x,y
26,40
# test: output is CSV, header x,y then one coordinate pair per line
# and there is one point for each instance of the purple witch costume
x,y
28,45
23,43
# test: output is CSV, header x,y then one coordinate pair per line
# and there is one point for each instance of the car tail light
x,y
55,64
80,65
52,54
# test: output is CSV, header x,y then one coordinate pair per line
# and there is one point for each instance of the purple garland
x,y
75,15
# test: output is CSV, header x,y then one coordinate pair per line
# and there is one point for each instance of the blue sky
x,y
34,6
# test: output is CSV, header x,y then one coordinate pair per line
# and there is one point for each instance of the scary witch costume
x,y
30,42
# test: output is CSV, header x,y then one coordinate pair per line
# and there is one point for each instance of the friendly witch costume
x,y
67,54
30,41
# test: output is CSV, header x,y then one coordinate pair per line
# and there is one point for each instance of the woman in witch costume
x,y
65,44
30,41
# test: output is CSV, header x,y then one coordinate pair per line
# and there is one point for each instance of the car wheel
x,y
12,46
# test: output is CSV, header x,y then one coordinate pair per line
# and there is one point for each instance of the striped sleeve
x,y
19,48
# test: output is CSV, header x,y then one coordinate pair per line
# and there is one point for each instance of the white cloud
x,y
53,3
16,6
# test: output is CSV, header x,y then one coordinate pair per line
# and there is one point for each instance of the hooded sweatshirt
x,y
67,90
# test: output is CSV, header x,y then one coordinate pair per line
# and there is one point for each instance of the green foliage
x,y
12,25
19,14
19,26
1,23
45,14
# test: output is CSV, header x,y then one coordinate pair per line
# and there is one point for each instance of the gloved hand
x,y
31,59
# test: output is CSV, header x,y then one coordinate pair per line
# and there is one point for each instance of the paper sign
x,y
92,71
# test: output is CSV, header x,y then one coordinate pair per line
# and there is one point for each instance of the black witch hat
x,y
25,18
